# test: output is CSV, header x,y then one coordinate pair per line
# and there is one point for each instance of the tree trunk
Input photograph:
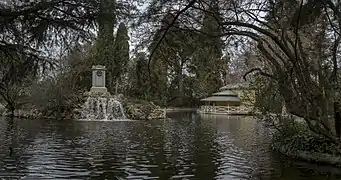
x,y
116,88
12,109
181,89
337,117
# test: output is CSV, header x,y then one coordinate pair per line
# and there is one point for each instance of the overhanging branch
x,y
260,72
189,5
264,32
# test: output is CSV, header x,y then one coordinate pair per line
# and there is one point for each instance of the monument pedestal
x,y
98,79
99,89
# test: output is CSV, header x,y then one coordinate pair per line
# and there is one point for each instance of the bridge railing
x,y
225,109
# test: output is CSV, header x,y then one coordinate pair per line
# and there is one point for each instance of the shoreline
x,y
176,109
310,156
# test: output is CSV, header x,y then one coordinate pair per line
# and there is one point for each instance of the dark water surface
x,y
187,146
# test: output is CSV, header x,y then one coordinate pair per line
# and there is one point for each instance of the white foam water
x,y
112,120
102,109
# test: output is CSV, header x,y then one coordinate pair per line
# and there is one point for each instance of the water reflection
x,y
186,146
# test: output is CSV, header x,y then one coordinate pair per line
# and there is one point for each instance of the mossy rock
x,y
307,142
309,147
97,94
310,156
138,109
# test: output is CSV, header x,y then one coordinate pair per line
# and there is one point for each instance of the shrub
x,y
296,136
55,98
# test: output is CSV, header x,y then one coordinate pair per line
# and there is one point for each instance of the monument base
x,y
99,89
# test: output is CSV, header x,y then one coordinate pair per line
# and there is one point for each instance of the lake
x,y
185,146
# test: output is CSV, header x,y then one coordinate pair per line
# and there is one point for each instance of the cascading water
x,y
102,108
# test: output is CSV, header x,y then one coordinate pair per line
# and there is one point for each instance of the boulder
x,y
96,94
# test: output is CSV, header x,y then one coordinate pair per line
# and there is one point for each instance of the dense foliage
x,y
184,51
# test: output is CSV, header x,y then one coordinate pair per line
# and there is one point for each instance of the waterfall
x,y
102,108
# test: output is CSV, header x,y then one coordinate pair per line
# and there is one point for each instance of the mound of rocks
x,y
142,110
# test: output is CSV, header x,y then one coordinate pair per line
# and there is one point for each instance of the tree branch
x,y
189,5
260,72
264,32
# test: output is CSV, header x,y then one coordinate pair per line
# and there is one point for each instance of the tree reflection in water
x,y
186,146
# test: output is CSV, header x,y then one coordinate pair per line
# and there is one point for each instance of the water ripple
x,y
189,147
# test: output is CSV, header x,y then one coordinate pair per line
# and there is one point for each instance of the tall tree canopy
x,y
118,65
298,42
158,66
207,62
35,34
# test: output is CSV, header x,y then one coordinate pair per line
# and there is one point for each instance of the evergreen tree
x,y
104,45
99,52
106,19
117,67
183,48
170,60
159,64
207,64
141,87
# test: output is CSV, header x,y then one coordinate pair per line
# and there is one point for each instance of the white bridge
x,y
231,110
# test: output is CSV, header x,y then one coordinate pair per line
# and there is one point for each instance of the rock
x,y
142,110
24,113
119,97
96,94
308,147
158,113
311,156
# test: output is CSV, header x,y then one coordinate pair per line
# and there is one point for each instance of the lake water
x,y
186,146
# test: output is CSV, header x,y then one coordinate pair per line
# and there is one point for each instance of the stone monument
x,y
98,79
